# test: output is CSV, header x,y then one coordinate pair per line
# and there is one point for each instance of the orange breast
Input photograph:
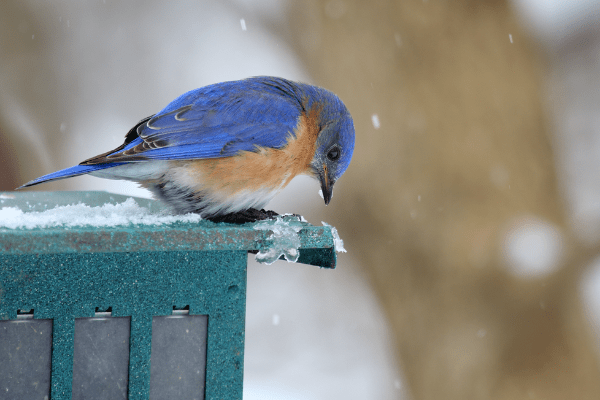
x,y
267,168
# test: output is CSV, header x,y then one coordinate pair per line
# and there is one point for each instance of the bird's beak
x,y
326,185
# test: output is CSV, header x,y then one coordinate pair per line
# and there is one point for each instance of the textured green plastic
x,y
63,287
316,242
139,271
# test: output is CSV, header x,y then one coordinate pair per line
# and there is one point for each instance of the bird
x,y
225,150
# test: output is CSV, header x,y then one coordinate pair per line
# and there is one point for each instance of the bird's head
x,y
335,137
334,147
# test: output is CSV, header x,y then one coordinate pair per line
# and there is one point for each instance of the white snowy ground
x,y
315,334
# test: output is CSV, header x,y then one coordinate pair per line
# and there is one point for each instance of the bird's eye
x,y
333,154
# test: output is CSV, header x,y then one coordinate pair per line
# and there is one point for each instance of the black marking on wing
x,y
228,145
149,141
129,137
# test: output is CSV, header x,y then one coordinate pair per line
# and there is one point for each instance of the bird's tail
x,y
68,173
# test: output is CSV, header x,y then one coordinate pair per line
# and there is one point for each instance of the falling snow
x,y
532,247
375,121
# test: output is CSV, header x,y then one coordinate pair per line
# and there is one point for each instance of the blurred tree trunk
x,y
461,150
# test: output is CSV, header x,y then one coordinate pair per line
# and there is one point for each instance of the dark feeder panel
x,y
128,312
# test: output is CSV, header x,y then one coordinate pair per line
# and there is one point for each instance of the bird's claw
x,y
242,217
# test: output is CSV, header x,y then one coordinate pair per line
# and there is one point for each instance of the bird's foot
x,y
241,217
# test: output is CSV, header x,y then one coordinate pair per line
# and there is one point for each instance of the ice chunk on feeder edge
x,y
285,241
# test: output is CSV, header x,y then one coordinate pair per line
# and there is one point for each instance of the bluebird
x,y
229,148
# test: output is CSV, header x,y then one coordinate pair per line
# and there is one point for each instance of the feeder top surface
x,y
65,222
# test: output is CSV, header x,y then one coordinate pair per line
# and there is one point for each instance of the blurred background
x,y
471,209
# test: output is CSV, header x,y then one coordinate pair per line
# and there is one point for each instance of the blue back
x,y
222,119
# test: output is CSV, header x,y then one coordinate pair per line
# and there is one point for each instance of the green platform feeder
x,y
112,298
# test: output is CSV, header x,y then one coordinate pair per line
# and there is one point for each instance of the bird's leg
x,y
242,217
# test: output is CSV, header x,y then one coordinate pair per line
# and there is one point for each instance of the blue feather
x,y
69,172
220,120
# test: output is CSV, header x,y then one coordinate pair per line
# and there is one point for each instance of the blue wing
x,y
216,121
